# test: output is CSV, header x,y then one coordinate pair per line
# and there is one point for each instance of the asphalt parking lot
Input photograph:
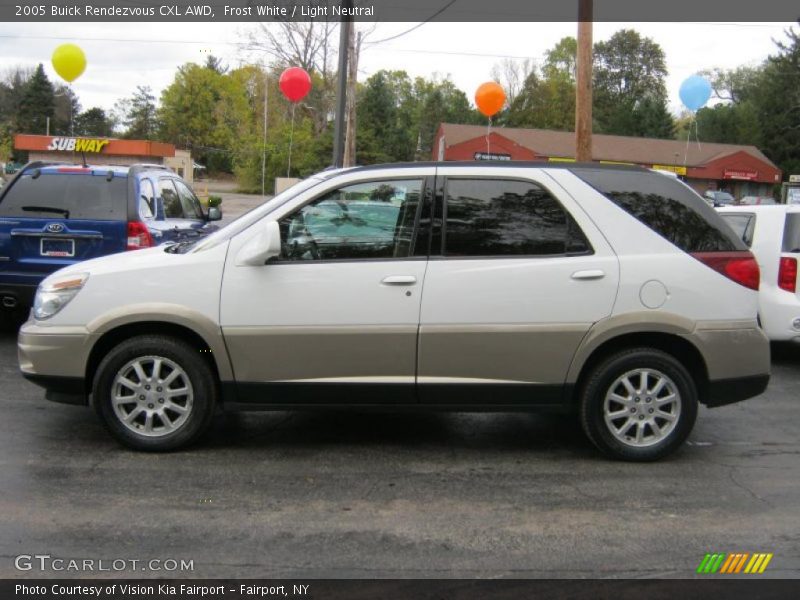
x,y
341,494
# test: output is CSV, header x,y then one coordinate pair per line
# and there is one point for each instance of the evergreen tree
x,y
777,104
37,104
139,114
93,122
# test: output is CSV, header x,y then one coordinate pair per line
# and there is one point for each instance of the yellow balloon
x,y
69,61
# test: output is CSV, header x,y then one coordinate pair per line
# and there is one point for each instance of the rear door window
x,y
666,206
501,217
791,233
62,195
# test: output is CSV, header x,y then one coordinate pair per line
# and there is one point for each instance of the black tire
x,y
202,400
627,363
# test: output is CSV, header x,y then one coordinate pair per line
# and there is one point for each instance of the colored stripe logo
x,y
734,563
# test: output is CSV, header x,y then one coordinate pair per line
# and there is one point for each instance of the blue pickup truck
x,y
53,215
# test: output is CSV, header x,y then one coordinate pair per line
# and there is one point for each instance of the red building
x,y
740,170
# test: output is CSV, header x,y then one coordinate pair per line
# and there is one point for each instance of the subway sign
x,y
72,144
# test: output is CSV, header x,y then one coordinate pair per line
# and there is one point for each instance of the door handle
x,y
590,274
399,280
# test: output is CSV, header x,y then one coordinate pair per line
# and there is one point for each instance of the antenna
x,y
83,155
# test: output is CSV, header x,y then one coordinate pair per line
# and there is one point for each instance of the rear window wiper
x,y
52,209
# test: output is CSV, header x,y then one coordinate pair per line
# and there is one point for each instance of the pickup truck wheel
x,y
638,405
155,393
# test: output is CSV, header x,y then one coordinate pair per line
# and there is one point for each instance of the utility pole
x,y
583,86
341,89
354,50
264,138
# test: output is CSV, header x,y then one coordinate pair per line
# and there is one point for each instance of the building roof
x,y
607,147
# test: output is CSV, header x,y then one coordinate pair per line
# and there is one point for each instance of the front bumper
x,y
55,359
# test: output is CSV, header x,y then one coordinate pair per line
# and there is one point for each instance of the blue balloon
x,y
695,92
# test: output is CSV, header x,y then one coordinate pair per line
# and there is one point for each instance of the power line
x,y
417,26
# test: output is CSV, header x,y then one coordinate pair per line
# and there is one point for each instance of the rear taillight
x,y
138,236
787,274
740,267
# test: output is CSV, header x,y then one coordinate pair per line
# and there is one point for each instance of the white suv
x,y
613,292
773,234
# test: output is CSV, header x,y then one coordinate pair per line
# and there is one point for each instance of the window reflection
x,y
361,221
490,217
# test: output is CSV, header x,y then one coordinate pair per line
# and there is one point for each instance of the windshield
x,y
254,214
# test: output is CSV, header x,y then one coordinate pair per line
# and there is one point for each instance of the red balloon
x,y
295,83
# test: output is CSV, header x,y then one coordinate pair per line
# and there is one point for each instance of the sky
x,y
123,55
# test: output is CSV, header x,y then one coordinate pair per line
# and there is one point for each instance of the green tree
x,y
207,111
547,97
37,104
94,122
544,104
215,64
630,96
437,102
137,115
776,102
380,137
561,59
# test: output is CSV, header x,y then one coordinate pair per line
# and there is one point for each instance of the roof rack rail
x,y
38,164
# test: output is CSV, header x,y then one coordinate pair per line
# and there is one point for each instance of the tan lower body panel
x,y
370,353
732,350
511,353
54,351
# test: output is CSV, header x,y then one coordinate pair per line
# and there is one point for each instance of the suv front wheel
x,y
638,405
155,393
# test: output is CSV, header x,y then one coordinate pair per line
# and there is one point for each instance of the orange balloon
x,y
490,98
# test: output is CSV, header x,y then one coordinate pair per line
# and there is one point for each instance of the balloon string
x,y
697,132
488,133
688,139
696,125
291,139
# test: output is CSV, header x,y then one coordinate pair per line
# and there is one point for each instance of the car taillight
x,y
138,236
787,274
740,267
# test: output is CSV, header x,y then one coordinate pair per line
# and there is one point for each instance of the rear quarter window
x,y
743,225
91,197
791,233
666,206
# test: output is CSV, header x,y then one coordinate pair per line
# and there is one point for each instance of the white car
x,y
615,293
773,234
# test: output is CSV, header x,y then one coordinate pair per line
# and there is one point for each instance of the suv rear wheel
x,y
155,393
638,404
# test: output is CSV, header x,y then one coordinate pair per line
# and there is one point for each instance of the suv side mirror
x,y
214,214
265,245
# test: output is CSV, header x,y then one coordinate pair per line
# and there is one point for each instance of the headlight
x,y
56,294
